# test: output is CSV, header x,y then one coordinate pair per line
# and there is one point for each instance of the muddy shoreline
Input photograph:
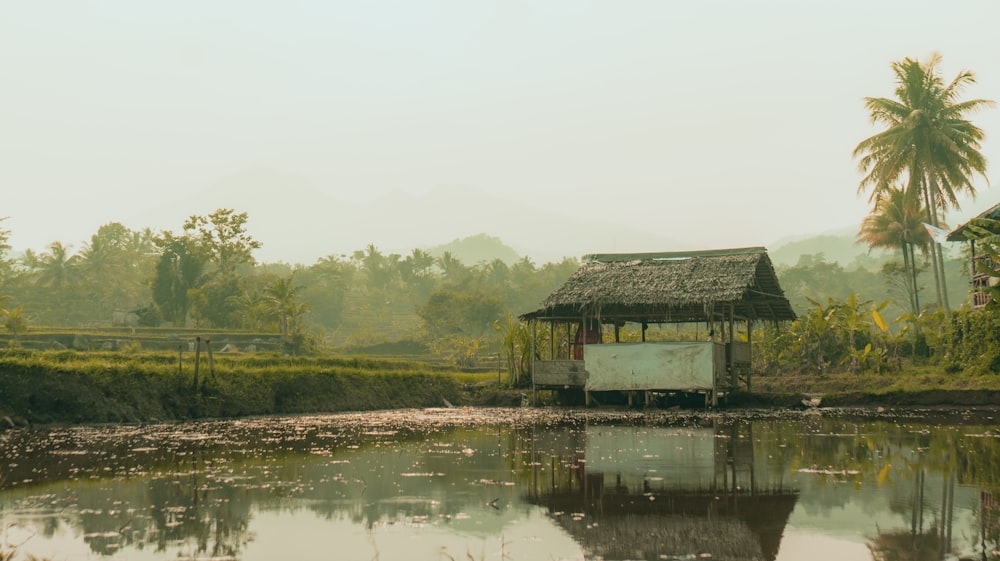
x,y
794,400
79,407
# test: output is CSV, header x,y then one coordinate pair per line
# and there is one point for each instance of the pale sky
x,y
730,123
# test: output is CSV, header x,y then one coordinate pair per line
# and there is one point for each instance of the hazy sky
x,y
731,122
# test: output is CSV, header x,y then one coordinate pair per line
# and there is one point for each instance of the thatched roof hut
x,y
982,283
676,287
958,234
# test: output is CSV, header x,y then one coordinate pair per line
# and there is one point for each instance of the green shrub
x,y
975,340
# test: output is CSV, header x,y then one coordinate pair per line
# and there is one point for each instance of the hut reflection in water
x,y
662,493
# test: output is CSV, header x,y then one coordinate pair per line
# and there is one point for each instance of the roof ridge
x,y
664,255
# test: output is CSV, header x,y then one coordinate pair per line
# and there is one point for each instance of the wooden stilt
x,y
734,375
211,359
569,341
197,359
531,363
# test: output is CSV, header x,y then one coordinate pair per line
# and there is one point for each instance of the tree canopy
x,y
928,144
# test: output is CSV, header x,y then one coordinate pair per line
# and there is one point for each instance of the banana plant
x,y
815,339
855,319
15,322
516,343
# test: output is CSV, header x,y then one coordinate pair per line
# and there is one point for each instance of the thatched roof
x,y
958,234
664,523
670,288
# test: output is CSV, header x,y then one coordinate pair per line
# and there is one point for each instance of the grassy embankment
x,y
68,386
925,386
136,383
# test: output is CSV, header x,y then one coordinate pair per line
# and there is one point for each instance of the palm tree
x,y
30,260
379,268
252,308
928,142
416,266
6,264
497,274
897,223
57,280
454,271
57,267
283,297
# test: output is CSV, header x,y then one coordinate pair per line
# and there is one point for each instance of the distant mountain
x,y
840,248
445,213
479,248
298,223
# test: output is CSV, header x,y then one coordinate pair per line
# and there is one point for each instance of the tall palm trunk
x,y
925,190
936,247
916,289
909,271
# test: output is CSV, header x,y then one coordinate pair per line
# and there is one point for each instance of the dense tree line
x,y
206,276
854,317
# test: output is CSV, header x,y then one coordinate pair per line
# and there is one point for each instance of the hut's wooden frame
x,y
716,288
980,282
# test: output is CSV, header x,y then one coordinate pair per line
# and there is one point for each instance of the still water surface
x,y
510,484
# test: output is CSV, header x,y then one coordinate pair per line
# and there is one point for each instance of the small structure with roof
x,y
723,291
981,282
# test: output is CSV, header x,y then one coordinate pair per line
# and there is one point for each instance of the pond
x,y
519,484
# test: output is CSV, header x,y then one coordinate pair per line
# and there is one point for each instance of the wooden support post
x,y
552,340
531,363
211,359
197,359
734,375
569,341
732,322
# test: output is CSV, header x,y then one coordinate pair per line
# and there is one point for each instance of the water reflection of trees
x,y
189,511
926,471
197,508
